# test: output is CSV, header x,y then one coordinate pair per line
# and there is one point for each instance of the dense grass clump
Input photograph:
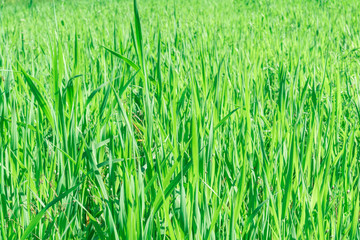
x,y
179,119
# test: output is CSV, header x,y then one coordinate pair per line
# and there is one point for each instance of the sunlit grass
x,y
179,119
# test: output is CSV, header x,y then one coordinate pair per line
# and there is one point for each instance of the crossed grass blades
x,y
198,120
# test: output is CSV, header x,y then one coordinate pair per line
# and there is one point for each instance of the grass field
x,y
232,119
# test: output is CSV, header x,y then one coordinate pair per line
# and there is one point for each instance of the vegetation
x,y
179,119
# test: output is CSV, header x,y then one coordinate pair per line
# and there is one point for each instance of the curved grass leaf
x,y
38,217
43,104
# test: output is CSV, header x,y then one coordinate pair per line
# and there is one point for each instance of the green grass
x,y
179,119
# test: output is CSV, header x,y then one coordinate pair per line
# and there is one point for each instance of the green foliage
x,y
179,119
